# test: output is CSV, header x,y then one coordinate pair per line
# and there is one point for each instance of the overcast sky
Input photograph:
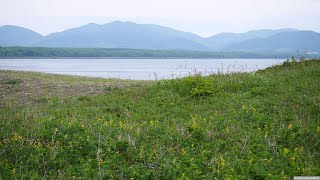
x,y
203,17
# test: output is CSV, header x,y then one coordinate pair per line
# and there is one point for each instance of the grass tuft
x,y
12,81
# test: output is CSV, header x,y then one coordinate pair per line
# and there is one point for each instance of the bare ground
x,y
29,87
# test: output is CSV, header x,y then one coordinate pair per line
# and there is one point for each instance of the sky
x,y
202,17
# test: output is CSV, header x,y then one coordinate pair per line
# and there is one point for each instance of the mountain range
x,y
119,34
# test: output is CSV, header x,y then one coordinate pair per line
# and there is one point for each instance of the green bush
x,y
195,86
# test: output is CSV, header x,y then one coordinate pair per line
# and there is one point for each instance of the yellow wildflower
x,y
16,136
290,126
301,149
222,163
152,123
138,131
183,151
195,125
13,171
122,125
293,159
39,144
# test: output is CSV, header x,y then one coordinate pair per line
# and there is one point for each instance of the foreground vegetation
x,y
264,125
41,52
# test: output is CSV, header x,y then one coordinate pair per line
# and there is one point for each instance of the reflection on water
x,y
138,69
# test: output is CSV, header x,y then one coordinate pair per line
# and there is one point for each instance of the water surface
x,y
137,69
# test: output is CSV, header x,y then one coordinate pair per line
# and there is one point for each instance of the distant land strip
x,y
43,52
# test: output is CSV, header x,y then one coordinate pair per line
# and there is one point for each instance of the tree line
x,y
43,52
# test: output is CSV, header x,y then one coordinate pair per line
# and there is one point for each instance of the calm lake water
x,y
137,69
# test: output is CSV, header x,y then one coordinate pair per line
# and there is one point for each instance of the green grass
x,y
264,125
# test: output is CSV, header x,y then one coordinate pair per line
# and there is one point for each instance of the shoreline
x,y
213,58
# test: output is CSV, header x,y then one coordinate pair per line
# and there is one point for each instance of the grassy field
x,y
263,125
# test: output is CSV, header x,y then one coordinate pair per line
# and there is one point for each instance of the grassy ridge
x,y
242,126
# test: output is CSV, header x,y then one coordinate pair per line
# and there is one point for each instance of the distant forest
x,y
40,52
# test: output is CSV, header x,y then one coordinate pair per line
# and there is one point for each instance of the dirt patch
x,y
28,88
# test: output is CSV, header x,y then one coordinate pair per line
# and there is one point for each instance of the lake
x,y
137,69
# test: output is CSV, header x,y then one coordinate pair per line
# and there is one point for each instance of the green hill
x,y
264,125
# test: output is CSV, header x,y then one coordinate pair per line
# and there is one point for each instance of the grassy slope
x,y
237,126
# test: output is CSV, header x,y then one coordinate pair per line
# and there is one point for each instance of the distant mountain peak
x,y
290,41
11,35
223,40
126,34
92,24
120,23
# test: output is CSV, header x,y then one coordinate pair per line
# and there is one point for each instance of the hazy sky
x,y
203,17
